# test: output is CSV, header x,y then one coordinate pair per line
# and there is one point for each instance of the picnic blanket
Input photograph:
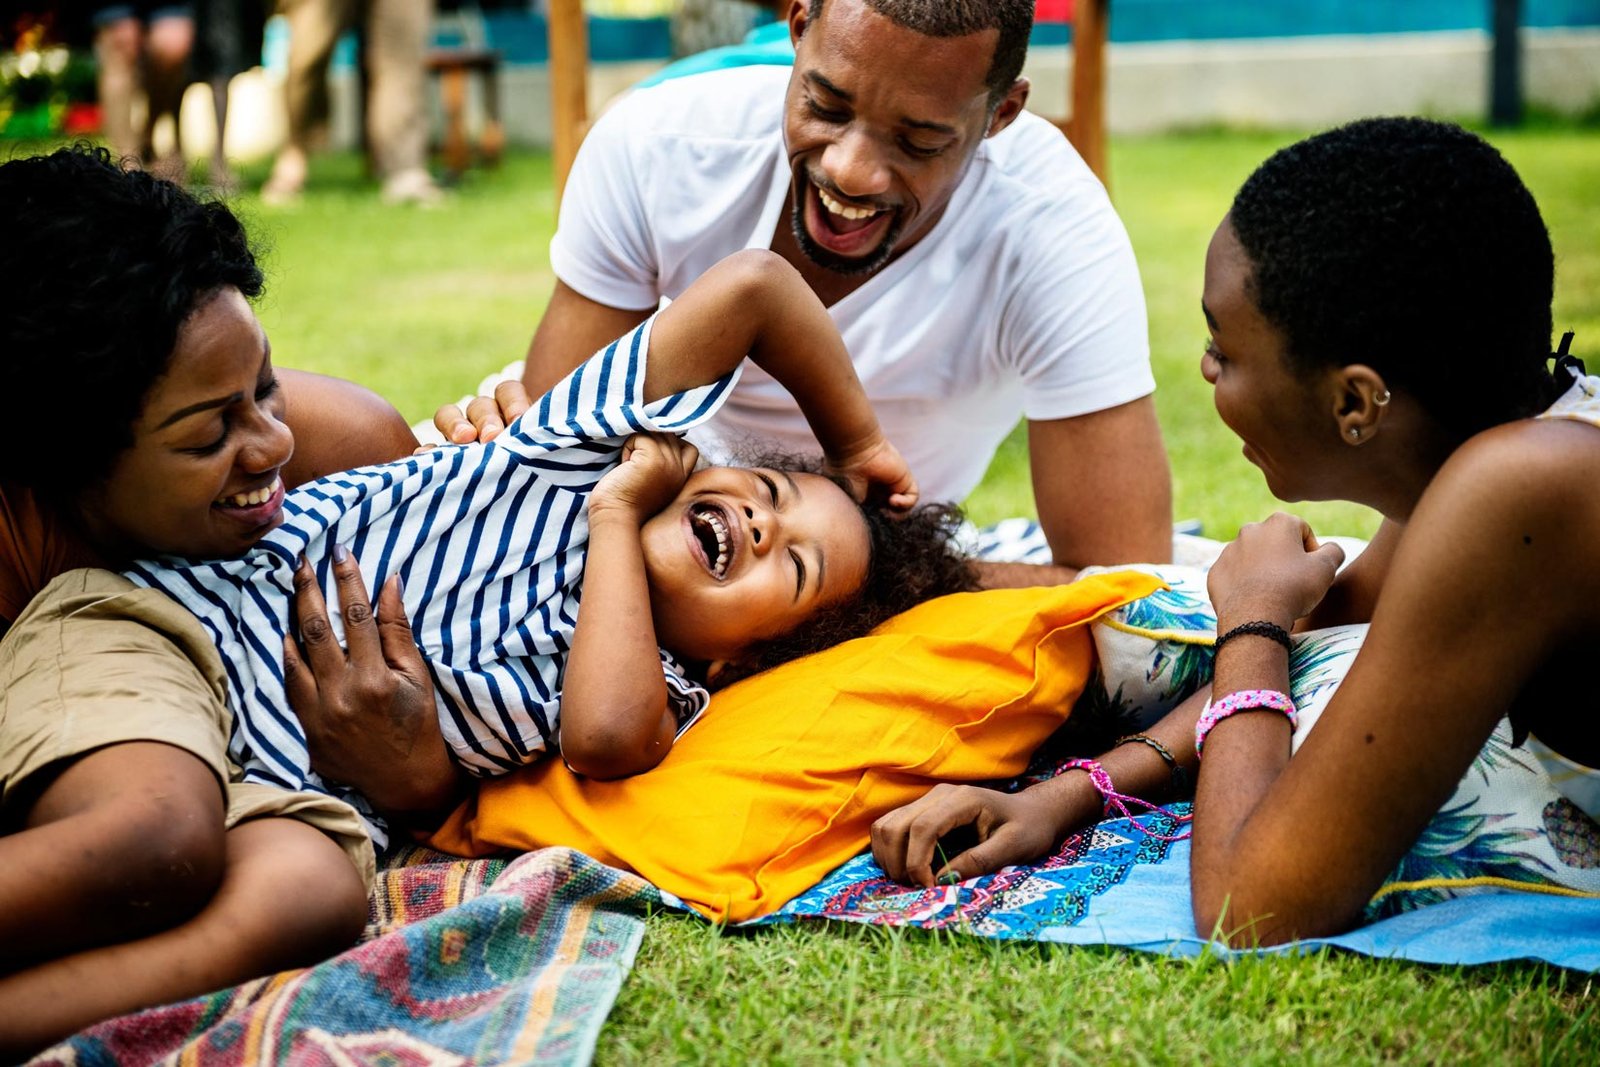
x,y
1509,868
464,963
1113,885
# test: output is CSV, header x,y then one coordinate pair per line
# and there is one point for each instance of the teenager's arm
x,y
755,303
1355,592
1295,848
338,425
615,717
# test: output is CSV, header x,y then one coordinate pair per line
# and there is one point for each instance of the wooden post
x,y
569,84
1505,64
1087,126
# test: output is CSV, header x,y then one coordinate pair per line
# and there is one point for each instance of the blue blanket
x,y
1113,885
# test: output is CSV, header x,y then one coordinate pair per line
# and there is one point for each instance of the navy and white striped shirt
x,y
489,541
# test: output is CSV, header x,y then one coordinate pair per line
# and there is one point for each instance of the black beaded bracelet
x,y
1257,628
1180,777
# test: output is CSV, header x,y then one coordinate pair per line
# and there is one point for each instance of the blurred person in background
x,y
228,36
143,45
397,33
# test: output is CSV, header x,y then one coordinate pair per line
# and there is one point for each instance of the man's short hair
x,y
958,18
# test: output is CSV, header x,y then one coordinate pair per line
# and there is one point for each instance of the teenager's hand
x,y
368,712
485,417
654,467
1275,571
1010,828
877,473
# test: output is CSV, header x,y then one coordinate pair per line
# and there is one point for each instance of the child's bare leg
x,y
289,898
125,841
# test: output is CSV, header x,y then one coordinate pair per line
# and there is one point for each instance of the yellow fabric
x,y
782,779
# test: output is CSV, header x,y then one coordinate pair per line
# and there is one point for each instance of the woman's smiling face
x,y
1287,427
747,554
201,478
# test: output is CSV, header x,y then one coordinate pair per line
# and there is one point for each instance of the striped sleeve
x,y
580,422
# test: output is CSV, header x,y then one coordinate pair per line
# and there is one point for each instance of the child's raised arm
x,y
754,303
615,717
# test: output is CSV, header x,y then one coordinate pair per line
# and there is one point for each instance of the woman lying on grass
x,y
131,878
142,380
1378,300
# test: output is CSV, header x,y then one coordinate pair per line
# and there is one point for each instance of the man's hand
x,y
1010,827
368,713
877,473
485,417
653,469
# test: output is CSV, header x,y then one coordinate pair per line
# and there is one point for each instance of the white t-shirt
x,y
1023,300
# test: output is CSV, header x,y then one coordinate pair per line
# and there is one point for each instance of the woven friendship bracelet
x,y
1243,700
1111,800
1255,628
1180,777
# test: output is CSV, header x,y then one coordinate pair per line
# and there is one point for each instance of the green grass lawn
x,y
421,304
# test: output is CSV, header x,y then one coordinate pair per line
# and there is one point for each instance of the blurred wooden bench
x,y
569,80
453,67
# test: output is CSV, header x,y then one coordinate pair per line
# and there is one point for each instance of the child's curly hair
x,y
911,559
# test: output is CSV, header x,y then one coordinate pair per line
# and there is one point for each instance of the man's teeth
x,y
843,210
251,499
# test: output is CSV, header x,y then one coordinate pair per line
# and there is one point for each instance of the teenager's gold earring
x,y
1381,398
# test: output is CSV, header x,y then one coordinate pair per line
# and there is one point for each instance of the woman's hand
x,y
1274,571
368,713
1010,827
653,469
877,472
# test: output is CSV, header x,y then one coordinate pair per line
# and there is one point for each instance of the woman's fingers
x,y
316,638
400,650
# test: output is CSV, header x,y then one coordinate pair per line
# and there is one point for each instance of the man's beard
x,y
827,260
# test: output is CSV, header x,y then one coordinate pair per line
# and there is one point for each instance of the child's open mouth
x,y
712,530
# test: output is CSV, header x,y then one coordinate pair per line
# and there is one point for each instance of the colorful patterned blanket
x,y
464,962
1112,885
1508,869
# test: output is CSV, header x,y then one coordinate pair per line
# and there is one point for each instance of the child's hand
x,y
653,469
877,473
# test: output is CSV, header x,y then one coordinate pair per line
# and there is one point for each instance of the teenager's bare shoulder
x,y
1520,497
1522,467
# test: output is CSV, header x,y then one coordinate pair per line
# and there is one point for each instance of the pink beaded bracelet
x,y
1243,700
1112,800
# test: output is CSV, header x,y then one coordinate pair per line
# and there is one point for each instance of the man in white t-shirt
x,y
971,260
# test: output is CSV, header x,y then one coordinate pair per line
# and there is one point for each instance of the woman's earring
x,y
1355,433
1381,398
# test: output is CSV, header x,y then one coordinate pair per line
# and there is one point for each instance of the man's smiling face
x,y
880,123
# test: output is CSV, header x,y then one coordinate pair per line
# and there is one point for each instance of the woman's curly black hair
x,y
911,559
1411,246
99,267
